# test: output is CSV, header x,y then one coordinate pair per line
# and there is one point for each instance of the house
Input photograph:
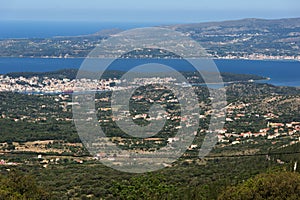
x,y
275,125
193,146
236,142
270,137
220,137
259,134
245,135
229,120
170,140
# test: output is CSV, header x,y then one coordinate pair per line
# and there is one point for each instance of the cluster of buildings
x,y
4,162
271,130
52,85
259,57
47,85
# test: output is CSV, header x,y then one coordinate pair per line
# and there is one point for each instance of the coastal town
x,y
52,85
270,130
46,85
38,130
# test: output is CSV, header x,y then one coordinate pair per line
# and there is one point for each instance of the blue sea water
x,y
40,29
283,73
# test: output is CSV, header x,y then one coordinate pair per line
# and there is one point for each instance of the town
x,y
244,123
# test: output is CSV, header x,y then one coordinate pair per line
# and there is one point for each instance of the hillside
x,y
247,37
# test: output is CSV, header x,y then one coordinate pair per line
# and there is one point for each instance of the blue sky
x,y
163,11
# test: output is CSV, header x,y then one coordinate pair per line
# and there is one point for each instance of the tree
x,y
19,186
272,186
143,187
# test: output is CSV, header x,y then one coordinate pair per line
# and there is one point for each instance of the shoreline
x,y
243,59
232,82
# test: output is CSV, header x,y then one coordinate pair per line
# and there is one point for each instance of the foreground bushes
x,y
272,186
16,185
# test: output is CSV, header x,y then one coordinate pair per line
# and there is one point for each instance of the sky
x,y
163,11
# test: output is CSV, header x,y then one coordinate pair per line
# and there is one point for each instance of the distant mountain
x,y
246,38
102,33
246,24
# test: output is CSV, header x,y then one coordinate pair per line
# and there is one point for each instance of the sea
x,y
281,73
46,29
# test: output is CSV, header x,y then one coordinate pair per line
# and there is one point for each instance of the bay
x,y
282,73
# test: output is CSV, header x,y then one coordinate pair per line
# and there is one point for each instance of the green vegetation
x,y
17,185
217,179
38,137
270,186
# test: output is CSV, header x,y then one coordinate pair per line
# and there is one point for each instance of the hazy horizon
x,y
133,11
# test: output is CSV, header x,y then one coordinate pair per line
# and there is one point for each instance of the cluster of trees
x,y
184,180
12,131
281,185
17,185
269,186
219,178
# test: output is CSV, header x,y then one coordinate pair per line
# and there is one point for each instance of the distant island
x,y
256,39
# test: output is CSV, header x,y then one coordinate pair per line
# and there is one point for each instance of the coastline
x,y
213,58
232,82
